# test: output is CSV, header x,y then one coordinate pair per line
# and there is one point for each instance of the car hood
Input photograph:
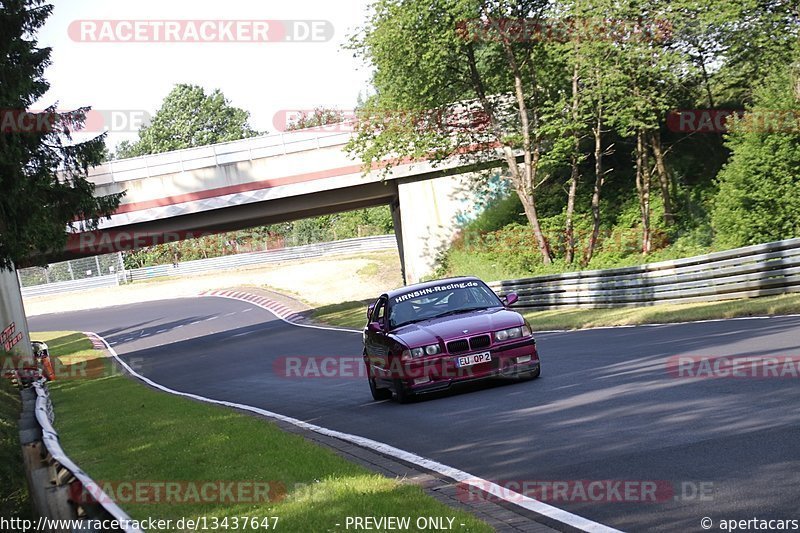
x,y
452,327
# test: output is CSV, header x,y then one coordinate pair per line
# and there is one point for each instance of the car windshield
x,y
440,300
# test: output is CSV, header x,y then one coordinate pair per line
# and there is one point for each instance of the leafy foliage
x,y
188,118
759,188
319,116
42,172
591,101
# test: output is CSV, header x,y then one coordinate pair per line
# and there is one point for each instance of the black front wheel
x,y
378,394
401,392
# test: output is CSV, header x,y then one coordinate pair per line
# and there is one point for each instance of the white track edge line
x,y
531,504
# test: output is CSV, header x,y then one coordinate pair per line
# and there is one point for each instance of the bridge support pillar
x,y
397,222
428,215
14,336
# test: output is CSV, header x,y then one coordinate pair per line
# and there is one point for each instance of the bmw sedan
x,y
429,336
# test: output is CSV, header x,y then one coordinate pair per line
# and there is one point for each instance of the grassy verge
x,y
347,314
13,485
121,431
351,314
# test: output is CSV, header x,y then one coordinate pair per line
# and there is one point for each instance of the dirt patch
x,y
316,282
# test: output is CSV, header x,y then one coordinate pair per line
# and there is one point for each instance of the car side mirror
x,y
374,327
370,309
510,299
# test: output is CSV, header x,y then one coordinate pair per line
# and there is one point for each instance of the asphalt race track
x,y
605,408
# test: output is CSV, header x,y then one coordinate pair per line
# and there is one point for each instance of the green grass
x,y
120,430
587,318
13,485
351,314
371,269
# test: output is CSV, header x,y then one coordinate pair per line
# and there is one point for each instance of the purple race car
x,y
426,337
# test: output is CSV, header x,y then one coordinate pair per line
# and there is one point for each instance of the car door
x,y
376,343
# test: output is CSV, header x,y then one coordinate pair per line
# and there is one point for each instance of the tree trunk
x,y
569,232
523,183
663,176
797,80
643,188
706,80
599,178
529,205
530,159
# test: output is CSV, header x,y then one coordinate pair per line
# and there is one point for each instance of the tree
x,y
319,116
463,59
652,68
753,38
188,118
343,225
43,174
759,188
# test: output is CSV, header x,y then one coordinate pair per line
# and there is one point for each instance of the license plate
x,y
474,359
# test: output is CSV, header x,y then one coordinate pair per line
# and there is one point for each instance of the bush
x,y
759,188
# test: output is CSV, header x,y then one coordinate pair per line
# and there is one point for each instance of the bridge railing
x,y
216,154
759,270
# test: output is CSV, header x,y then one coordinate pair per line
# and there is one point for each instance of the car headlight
x,y
511,333
431,349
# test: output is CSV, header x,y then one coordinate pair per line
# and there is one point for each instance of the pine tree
x,y
43,173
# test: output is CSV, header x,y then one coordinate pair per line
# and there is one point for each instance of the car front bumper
x,y
509,360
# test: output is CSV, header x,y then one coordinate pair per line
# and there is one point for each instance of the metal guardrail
x,y
213,155
759,270
110,280
54,476
358,244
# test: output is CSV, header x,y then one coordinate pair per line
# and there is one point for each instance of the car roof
x,y
418,286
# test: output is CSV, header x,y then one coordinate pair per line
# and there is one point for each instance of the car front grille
x,y
481,341
457,346
474,343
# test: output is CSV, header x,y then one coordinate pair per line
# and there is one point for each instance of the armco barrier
x,y
347,246
53,476
110,280
759,270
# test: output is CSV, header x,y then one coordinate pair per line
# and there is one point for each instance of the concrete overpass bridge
x,y
271,179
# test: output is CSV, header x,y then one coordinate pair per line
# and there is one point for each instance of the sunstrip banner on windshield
x,y
435,289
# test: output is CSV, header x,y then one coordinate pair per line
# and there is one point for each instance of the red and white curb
x,y
279,310
97,342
